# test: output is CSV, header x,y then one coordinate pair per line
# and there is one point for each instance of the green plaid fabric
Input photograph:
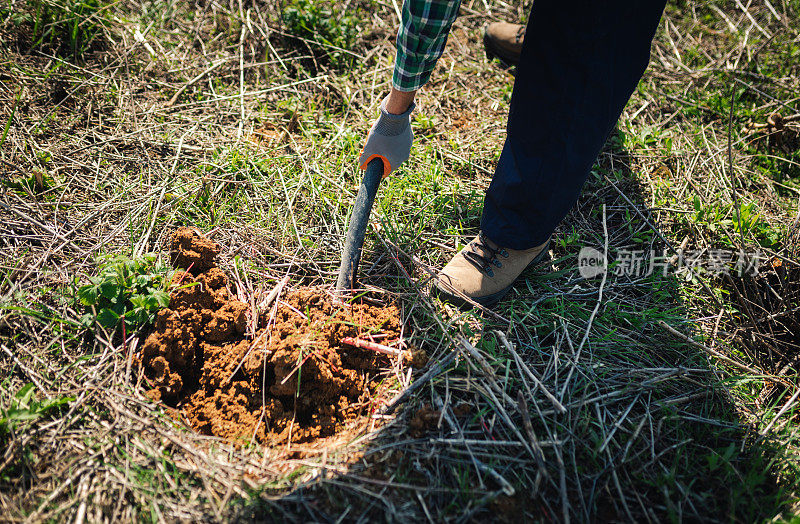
x,y
421,39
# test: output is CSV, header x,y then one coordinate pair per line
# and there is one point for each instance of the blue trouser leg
x,y
580,63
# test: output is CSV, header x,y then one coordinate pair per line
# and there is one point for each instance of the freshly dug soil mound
x,y
294,381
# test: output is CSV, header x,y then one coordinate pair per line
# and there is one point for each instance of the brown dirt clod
x,y
192,251
295,381
425,419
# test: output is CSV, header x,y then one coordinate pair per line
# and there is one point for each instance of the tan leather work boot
x,y
504,41
484,272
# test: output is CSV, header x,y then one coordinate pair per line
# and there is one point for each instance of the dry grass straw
x,y
570,402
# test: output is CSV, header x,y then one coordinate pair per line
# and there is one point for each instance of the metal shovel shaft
x,y
357,228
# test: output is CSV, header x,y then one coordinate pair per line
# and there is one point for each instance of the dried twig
x,y
426,377
373,346
717,354
192,82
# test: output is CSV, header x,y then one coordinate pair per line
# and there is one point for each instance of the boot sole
x,y
494,298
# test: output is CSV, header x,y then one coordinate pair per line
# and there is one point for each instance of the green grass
x,y
329,33
654,428
70,28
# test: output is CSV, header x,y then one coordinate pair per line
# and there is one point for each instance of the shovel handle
x,y
357,228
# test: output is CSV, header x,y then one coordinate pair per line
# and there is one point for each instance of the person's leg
x,y
580,63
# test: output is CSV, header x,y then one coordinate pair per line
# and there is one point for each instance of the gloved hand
x,y
389,139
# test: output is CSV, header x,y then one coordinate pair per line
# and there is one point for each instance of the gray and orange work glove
x,y
389,139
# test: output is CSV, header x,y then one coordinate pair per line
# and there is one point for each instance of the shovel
x,y
357,228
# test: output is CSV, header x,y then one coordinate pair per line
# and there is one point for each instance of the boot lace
x,y
484,262
520,34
